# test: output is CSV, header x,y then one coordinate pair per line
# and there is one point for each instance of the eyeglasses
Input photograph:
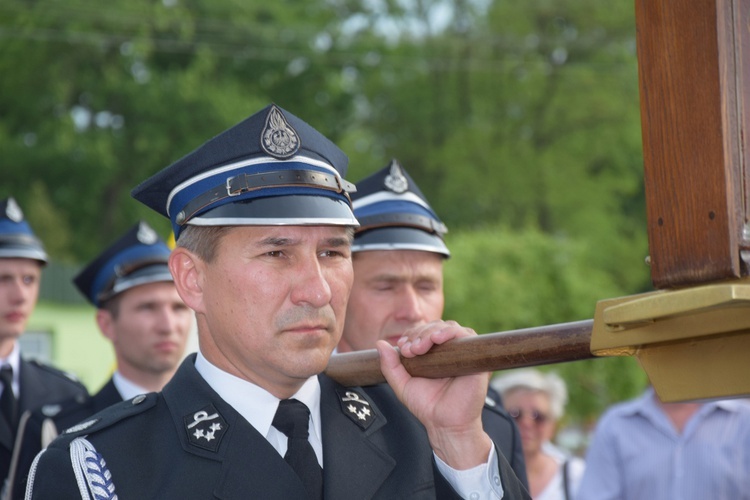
x,y
536,416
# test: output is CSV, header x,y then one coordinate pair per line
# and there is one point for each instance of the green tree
x,y
499,279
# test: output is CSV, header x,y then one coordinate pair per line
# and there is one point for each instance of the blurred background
x,y
519,120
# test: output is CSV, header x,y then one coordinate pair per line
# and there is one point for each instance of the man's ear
x,y
105,321
187,271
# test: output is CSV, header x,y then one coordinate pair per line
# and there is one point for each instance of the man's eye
x,y
331,253
29,280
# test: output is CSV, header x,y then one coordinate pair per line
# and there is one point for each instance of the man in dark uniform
x,y
29,384
398,255
140,312
263,224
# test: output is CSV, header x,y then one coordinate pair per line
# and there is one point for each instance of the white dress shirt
x,y
258,407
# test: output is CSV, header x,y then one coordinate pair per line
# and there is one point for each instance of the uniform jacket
x,y
504,432
60,416
39,384
187,443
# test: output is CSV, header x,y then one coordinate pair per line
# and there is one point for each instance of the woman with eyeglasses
x,y
536,401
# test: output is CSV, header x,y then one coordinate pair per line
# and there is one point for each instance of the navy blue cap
x,y
394,214
270,169
17,240
137,258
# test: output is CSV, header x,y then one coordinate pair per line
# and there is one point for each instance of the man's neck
x,y
152,382
6,346
679,413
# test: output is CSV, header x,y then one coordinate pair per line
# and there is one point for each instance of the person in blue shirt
x,y
688,451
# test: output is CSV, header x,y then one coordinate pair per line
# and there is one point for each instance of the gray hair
x,y
534,380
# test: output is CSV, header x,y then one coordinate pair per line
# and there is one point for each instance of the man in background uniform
x,y
263,224
398,255
140,312
24,384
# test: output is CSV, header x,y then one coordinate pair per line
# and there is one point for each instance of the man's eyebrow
x,y
276,241
339,241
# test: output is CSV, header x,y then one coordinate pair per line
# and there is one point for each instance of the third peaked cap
x,y
394,214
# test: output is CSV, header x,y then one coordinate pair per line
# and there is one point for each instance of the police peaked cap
x,y
17,240
137,258
394,214
270,169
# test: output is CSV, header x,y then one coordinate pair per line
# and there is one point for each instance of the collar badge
x,y
357,408
205,428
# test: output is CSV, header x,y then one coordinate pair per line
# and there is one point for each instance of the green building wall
x,y
76,344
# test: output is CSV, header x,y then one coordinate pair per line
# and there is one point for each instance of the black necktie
x,y
8,402
292,419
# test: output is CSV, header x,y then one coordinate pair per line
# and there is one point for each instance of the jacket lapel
x,y
34,391
251,467
6,436
354,466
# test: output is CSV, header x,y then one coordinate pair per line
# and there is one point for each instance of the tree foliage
x,y
499,279
519,120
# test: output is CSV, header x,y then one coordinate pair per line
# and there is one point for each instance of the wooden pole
x,y
488,352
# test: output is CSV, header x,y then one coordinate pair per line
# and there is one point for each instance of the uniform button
x,y
496,478
474,496
139,399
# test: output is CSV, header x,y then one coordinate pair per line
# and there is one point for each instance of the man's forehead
x,y
15,265
147,291
397,265
266,234
415,256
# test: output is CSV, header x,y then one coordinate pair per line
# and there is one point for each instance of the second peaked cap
x,y
137,258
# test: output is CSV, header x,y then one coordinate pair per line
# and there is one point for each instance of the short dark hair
x,y
202,240
112,305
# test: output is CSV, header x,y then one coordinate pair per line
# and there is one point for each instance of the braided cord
x,y
92,476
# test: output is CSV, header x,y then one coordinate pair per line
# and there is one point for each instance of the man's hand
x,y
449,408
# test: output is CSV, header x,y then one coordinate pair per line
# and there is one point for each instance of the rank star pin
x,y
361,414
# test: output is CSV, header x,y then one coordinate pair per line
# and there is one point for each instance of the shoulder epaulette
x,y
111,416
55,371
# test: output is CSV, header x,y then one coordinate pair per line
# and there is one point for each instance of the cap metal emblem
x,y
395,180
146,235
13,211
278,138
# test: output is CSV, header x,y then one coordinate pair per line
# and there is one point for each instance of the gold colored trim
x,y
693,343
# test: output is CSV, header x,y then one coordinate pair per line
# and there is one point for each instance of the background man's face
x,y
151,329
393,290
19,290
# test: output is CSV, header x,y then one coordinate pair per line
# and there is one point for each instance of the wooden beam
x,y
694,84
